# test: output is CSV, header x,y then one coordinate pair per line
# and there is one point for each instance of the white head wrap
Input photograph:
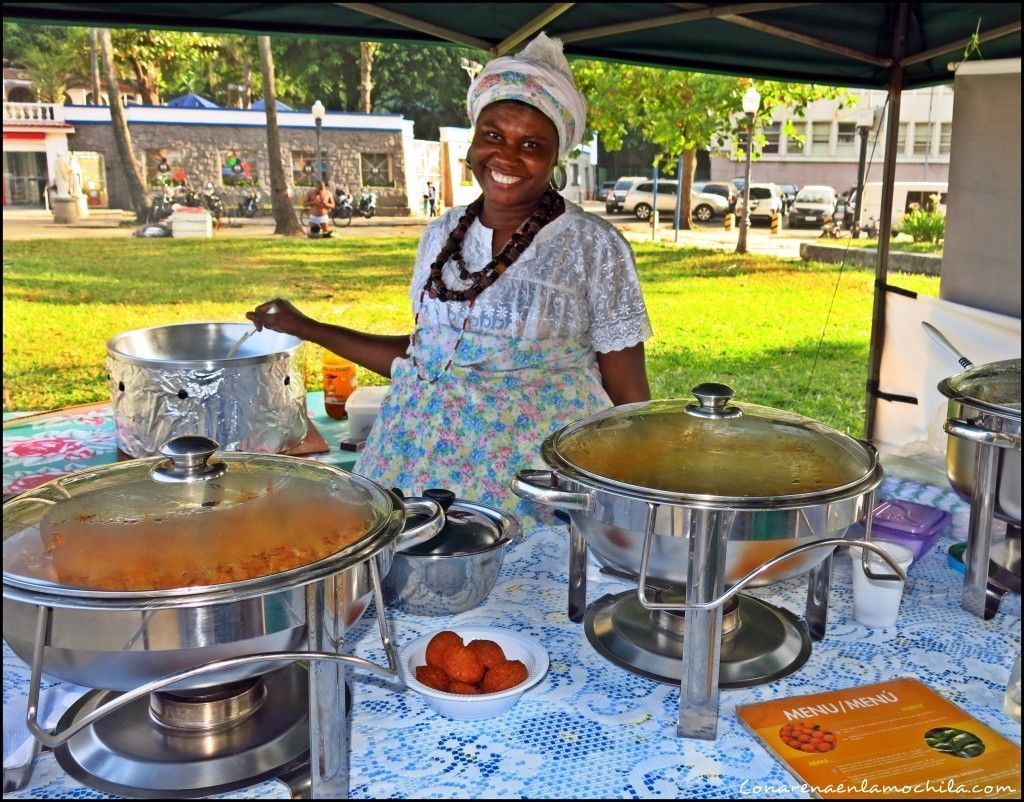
x,y
540,77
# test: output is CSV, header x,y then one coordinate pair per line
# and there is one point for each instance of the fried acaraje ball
x,y
503,676
489,652
464,688
461,664
439,644
433,677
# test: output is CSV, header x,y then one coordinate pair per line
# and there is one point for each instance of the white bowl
x,y
486,705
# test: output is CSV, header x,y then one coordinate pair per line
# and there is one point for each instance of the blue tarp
x,y
191,101
259,105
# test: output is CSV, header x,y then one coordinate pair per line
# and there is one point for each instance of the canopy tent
x,y
259,105
191,101
890,46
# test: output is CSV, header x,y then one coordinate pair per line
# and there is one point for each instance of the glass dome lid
x,y
191,523
994,387
712,449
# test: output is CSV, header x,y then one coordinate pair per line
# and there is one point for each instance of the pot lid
x,y
994,386
469,528
711,449
190,522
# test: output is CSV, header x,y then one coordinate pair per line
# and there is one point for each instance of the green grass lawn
x,y
784,333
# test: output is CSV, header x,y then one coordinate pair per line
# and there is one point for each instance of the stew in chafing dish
x,y
217,537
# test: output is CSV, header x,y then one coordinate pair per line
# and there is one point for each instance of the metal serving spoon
x,y
246,336
940,338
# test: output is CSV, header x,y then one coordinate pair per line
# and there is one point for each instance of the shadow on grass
x,y
188,271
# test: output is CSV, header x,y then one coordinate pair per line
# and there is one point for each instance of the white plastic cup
x,y
876,602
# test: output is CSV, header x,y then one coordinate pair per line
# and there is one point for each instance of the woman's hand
x,y
279,315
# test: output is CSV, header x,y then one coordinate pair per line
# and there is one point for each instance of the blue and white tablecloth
x,y
593,730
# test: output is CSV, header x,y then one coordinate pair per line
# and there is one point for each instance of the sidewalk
x,y
28,224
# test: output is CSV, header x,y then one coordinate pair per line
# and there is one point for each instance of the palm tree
x,y
119,124
285,220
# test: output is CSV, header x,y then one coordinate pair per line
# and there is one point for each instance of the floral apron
x,y
483,419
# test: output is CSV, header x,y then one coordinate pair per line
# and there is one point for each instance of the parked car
x,y
724,188
788,196
703,205
811,205
765,201
905,195
604,189
613,203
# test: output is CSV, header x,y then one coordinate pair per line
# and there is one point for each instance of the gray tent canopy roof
x,y
843,44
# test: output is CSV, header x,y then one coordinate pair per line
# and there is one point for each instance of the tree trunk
x,y
119,124
285,220
367,50
686,179
247,80
145,79
94,66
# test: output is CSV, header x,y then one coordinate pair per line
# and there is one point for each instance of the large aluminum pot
x,y
178,380
775,481
984,412
161,565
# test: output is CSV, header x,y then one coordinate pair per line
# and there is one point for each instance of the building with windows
x,y
227,147
828,147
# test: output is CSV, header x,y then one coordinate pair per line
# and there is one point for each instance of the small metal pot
x,y
983,415
456,569
122,639
168,381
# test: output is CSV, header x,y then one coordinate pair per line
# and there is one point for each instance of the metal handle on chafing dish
x,y
541,487
985,437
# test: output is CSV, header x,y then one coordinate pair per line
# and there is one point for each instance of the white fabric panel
x,y
913,364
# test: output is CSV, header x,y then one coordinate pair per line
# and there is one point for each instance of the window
x,y
821,134
795,143
467,174
303,168
771,138
901,139
945,138
236,170
377,170
922,139
923,200
846,139
164,167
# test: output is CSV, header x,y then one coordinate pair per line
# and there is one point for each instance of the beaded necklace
x,y
551,206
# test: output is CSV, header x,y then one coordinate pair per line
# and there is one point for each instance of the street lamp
x,y
751,102
318,118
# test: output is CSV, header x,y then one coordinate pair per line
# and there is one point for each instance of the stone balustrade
x,y
33,112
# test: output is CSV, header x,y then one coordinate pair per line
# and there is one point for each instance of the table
x,y
593,730
39,447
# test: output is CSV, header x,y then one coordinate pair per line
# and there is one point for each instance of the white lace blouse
x,y
577,279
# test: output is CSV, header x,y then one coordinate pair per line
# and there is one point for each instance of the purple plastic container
x,y
912,525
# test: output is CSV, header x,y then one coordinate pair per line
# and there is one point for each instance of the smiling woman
x,y
527,310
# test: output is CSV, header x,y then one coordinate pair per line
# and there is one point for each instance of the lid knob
x,y
442,496
714,399
188,460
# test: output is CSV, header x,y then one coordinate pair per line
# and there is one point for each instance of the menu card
x,y
895,738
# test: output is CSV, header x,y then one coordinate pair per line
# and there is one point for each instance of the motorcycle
x,y
250,206
342,212
162,208
367,206
212,203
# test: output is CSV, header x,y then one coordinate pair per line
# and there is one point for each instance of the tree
x,y
680,112
119,125
50,54
367,50
285,220
161,59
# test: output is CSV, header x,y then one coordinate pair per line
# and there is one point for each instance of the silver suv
x,y
765,202
640,201
613,203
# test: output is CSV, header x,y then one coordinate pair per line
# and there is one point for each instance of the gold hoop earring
x,y
559,178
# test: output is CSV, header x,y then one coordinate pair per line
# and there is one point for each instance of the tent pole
x,y
885,224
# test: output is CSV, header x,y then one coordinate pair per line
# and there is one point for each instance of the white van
x,y
905,194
